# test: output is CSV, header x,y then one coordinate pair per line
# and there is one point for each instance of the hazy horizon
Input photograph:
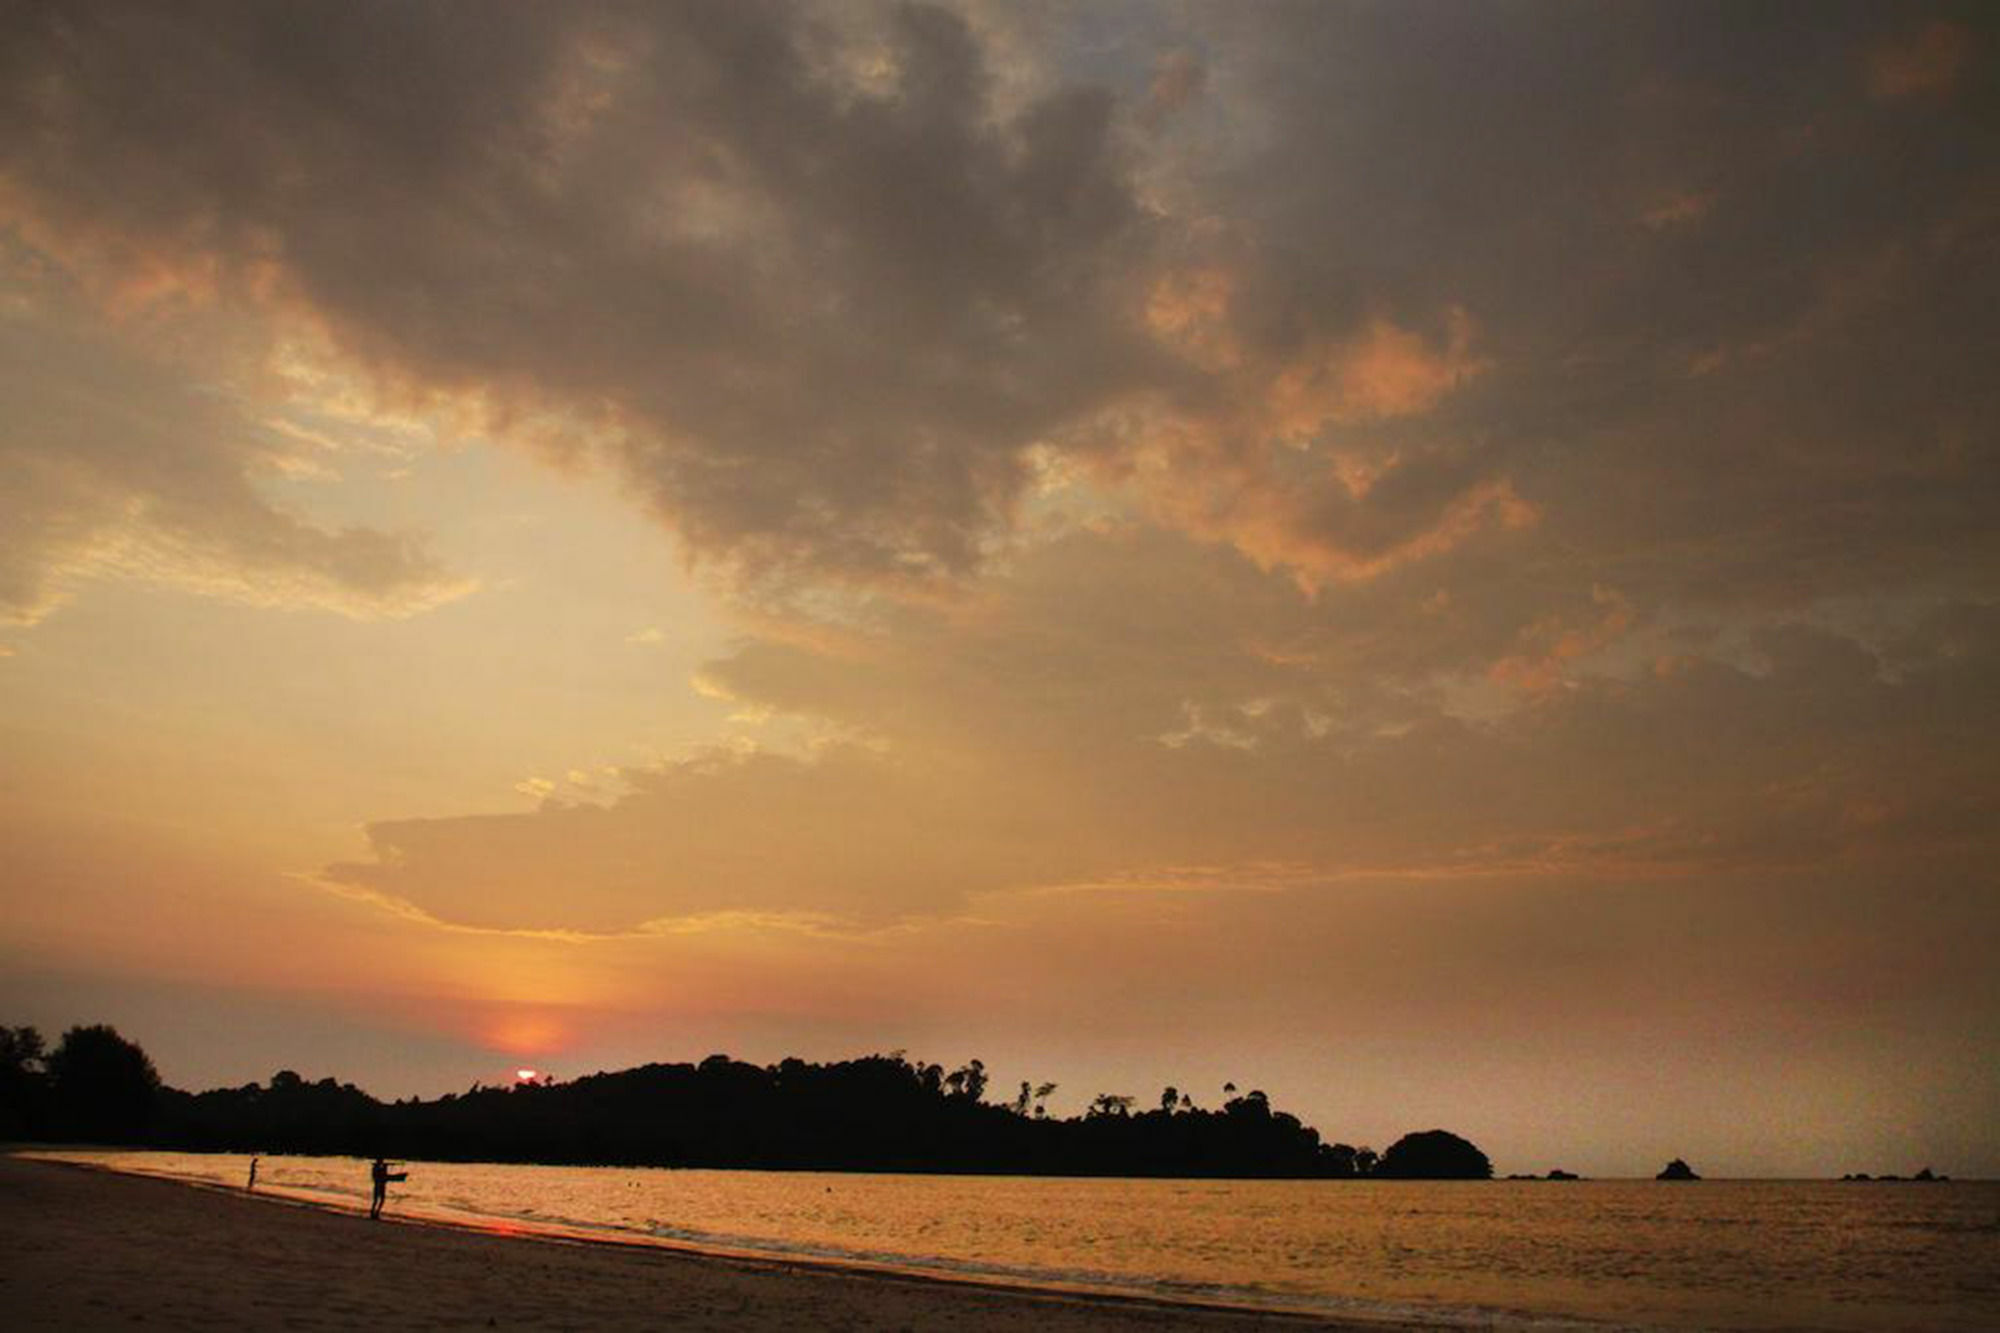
x,y
1435,560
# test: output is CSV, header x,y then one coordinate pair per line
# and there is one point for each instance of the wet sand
x,y
88,1249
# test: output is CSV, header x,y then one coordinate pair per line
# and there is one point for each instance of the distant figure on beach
x,y
381,1175
253,1175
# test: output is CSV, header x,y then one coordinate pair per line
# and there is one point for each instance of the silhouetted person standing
x,y
253,1175
379,1174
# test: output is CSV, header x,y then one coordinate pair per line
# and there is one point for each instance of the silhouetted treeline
x,y
878,1113
94,1087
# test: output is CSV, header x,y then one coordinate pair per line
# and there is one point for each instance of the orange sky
x,y
1436,561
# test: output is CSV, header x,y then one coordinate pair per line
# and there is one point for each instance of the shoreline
x,y
102,1230
555,1233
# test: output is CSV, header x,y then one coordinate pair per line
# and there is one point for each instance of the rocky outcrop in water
x,y
1924,1176
1677,1170
1434,1154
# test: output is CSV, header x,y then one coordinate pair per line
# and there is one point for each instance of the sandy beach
x,y
86,1249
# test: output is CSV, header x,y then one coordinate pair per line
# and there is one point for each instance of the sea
x,y
1593,1254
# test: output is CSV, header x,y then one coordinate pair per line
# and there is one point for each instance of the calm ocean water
x,y
1628,1254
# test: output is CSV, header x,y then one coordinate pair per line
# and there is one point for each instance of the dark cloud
x,y
1733,304
819,292
809,279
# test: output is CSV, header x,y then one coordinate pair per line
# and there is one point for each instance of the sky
x,y
1436,560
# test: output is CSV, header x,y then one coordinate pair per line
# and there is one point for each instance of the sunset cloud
x,y
1072,756
1927,62
1386,372
119,469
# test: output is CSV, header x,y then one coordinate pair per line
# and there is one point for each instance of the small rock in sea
x,y
1677,1170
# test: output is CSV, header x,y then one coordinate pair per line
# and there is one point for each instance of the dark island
x,y
1923,1177
1677,1170
876,1113
1433,1155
